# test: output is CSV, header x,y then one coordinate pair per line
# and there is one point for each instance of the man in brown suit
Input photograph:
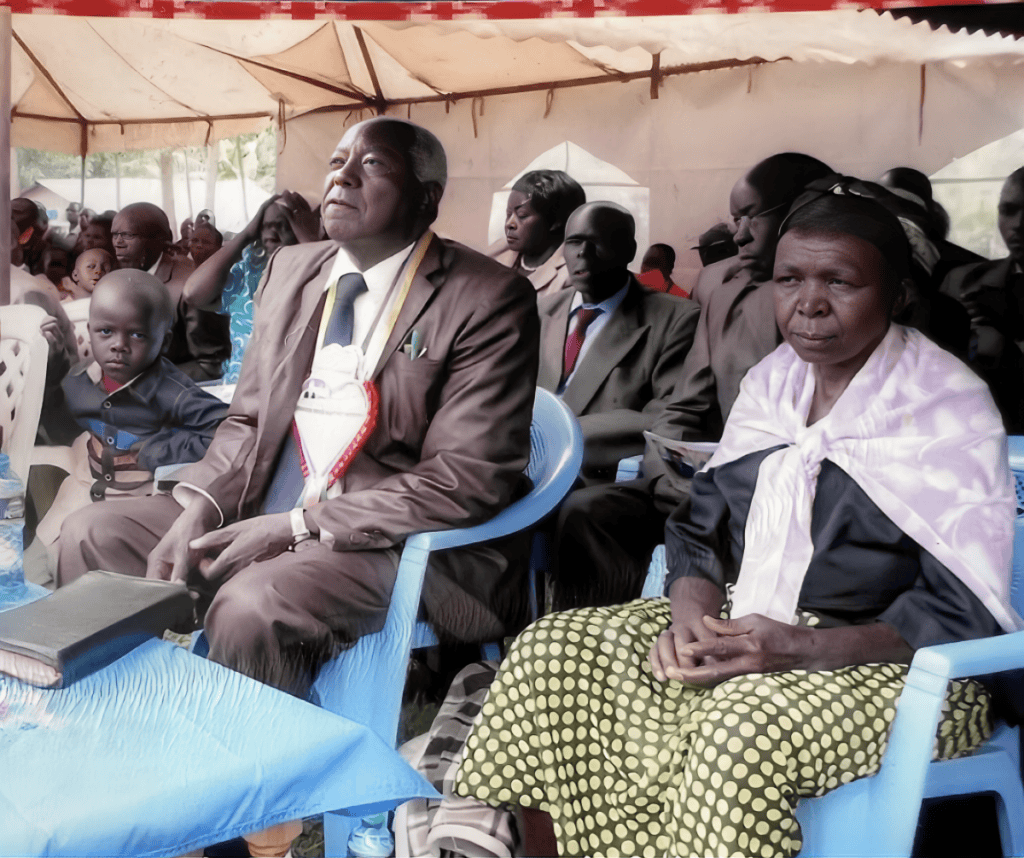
x,y
200,341
455,380
616,376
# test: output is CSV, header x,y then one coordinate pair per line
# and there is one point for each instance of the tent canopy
x,y
91,84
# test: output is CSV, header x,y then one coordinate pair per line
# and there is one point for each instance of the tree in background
x,y
253,156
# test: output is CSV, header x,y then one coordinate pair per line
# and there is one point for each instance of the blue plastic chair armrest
x,y
971,658
629,468
654,583
905,766
164,477
512,519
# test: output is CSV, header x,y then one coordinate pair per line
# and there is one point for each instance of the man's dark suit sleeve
x,y
478,439
611,435
692,410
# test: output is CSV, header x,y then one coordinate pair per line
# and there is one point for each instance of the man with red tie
x,y
612,350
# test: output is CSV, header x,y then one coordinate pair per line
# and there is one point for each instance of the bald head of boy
x,y
130,317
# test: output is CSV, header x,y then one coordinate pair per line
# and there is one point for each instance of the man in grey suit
x,y
613,351
200,341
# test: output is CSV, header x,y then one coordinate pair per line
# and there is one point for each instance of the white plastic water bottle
x,y
12,529
371,838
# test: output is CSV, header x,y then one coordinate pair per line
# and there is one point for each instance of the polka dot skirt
x,y
576,724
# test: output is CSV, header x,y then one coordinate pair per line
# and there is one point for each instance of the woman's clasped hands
x,y
698,648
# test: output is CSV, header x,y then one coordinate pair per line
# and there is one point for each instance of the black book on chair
x,y
86,625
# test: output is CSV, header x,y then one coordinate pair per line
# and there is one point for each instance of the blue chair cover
x,y
164,752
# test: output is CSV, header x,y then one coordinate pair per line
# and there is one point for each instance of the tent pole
x,y
241,178
5,148
212,163
188,184
81,186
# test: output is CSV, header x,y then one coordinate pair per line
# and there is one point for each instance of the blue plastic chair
x,y
877,815
365,683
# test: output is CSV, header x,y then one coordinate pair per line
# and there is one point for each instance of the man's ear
x,y
629,250
167,340
431,196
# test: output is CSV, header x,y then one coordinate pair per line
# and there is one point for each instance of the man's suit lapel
x,y
292,362
554,327
614,341
427,280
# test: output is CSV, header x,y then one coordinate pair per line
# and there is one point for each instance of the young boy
x,y
138,410
90,267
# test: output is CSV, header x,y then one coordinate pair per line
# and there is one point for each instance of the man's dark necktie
x,y
574,342
287,483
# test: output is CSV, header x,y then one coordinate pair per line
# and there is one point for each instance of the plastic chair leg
x,y
337,829
1009,802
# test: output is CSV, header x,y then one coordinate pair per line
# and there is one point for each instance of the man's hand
x,y
172,557
221,554
750,644
304,221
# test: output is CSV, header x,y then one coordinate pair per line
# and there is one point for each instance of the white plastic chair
x,y
23,354
78,315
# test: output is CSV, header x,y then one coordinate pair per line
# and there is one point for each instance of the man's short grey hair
x,y
429,163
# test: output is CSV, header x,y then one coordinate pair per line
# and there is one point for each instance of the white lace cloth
x,y
917,431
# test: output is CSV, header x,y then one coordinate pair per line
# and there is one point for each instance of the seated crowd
x,y
859,372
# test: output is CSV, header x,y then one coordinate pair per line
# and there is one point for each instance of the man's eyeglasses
x,y
124,236
736,223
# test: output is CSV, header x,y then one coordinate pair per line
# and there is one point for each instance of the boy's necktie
x,y
574,342
287,483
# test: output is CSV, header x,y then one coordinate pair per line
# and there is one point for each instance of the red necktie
x,y
574,342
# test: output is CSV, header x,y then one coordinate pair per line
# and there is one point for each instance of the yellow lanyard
x,y
409,268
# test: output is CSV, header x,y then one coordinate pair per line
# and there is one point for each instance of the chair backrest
x,y
23,354
78,315
556,454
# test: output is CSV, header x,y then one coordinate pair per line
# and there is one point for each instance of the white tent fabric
x,y
684,103
863,100
107,84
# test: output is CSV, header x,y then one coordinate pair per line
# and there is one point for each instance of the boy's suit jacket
x,y
453,427
626,376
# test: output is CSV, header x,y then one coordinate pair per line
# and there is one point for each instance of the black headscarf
x,y
851,214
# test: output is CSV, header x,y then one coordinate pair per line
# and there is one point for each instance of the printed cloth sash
x,y
917,431
337,408
336,413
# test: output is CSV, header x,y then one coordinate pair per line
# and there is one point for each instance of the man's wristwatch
x,y
300,533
